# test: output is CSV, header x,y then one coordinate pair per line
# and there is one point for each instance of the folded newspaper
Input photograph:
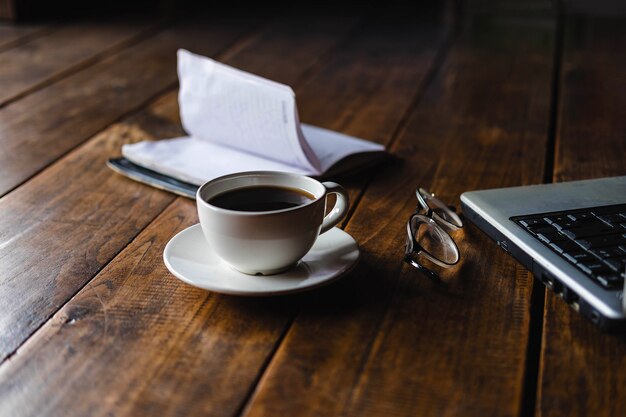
x,y
237,121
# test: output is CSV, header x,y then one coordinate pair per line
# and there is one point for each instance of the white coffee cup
x,y
267,242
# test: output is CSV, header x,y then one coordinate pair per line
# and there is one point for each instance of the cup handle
x,y
339,210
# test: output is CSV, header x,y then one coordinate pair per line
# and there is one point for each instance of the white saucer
x,y
189,257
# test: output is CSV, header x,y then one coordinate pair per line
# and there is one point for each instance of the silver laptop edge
x,y
497,206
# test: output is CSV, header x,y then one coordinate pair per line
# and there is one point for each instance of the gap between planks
x,y
401,126
147,33
229,51
157,216
538,298
155,98
36,33
143,104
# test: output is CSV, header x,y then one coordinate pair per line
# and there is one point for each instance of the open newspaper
x,y
238,121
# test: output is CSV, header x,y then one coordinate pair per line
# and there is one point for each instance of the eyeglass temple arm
x,y
409,259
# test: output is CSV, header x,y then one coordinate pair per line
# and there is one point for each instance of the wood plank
x,y
46,270
592,102
153,345
12,34
48,58
101,212
38,129
390,341
582,368
368,90
210,348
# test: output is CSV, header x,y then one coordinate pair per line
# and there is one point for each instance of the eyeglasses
x,y
428,233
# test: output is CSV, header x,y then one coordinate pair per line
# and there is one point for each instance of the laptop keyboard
x,y
593,239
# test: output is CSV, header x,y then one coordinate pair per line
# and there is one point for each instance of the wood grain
x,y
367,89
43,126
12,34
388,340
98,215
61,227
591,140
582,368
220,344
48,58
138,342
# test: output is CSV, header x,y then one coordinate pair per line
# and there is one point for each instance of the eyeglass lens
x,y
434,240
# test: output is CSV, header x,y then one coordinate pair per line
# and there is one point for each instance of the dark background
x,y
29,10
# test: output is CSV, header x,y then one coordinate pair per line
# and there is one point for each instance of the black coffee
x,y
261,198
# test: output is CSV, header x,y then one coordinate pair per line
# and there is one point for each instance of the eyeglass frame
x,y
428,215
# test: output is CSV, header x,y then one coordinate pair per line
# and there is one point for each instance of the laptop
x,y
571,235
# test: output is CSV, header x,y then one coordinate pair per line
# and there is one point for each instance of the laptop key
x,y
564,246
556,219
593,267
610,280
611,218
549,236
575,257
567,223
622,261
593,229
605,253
533,222
604,210
615,264
581,216
545,228
602,241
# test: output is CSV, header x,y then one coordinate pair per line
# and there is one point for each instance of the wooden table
x,y
92,323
